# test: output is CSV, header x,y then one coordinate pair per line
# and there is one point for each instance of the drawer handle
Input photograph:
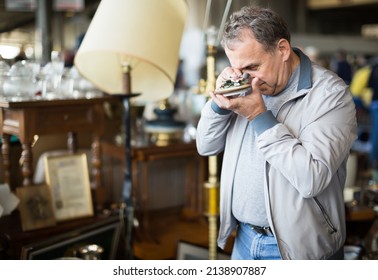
x,y
65,117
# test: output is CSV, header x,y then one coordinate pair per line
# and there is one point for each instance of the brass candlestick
x,y
211,187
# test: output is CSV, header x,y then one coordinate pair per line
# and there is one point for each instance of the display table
x,y
25,119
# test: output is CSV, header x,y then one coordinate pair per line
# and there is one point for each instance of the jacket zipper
x,y
326,217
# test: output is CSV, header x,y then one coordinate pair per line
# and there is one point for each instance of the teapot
x,y
21,80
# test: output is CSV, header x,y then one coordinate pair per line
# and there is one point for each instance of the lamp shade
x,y
146,34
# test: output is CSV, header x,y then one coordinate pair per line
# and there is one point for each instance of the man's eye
x,y
251,68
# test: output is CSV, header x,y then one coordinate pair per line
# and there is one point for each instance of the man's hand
x,y
248,106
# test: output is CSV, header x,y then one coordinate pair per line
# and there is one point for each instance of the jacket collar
x,y
305,69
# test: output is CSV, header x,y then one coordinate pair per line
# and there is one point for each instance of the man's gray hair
x,y
266,26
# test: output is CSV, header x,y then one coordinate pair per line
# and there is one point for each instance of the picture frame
x,y
35,207
106,233
68,179
191,251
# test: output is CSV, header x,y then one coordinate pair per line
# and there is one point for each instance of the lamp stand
x,y
212,185
127,189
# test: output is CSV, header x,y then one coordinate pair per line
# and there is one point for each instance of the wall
x,y
329,44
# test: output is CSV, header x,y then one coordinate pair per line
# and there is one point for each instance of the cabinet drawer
x,y
78,118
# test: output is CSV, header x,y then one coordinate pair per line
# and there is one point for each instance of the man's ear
x,y
284,48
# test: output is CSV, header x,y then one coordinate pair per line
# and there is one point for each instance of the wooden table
x,y
25,119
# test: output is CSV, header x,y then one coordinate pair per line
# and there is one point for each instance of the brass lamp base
x,y
165,129
164,137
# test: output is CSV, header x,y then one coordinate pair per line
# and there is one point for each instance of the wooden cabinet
x,y
163,173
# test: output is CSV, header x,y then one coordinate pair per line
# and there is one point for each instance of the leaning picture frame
x,y
35,207
68,179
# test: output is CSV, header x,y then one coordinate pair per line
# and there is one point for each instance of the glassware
x,y
51,80
4,69
73,80
21,81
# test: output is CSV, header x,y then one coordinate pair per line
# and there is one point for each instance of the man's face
x,y
268,68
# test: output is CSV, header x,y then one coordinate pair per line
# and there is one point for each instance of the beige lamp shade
x,y
146,34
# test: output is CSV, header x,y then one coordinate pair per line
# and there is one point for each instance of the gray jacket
x,y
306,148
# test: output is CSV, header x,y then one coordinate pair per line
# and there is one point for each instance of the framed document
x,y
35,207
68,178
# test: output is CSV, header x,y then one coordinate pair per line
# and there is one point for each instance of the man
x,y
285,145
342,67
373,138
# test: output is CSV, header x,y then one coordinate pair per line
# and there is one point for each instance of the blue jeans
x,y
249,245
